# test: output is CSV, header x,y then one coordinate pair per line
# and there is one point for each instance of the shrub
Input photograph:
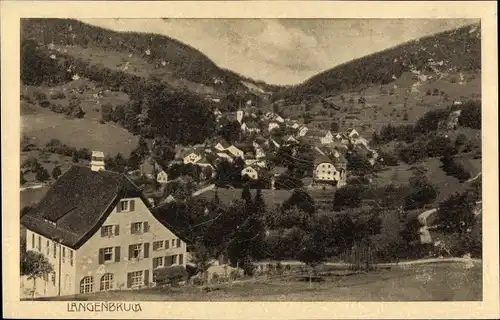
x,y
171,275
40,96
348,196
423,192
198,281
56,172
42,175
45,104
57,95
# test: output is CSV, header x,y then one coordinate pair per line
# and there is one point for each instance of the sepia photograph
x,y
174,159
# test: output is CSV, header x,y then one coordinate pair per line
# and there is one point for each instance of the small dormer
x,y
97,161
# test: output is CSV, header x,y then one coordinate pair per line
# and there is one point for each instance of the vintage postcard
x,y
226,160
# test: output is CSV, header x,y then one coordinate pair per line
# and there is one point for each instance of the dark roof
x,y
78,203
316,132
223,142
322,159
245,147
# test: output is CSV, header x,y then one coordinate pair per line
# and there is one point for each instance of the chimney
x,y
97,161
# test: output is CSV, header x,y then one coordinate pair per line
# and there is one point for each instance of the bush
x,y
171,275
348,196
423,192
42,175
45,104
57,95
454,169
198,281
56,172
40,96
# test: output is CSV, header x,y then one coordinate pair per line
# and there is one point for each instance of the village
x,y
259,140
183,184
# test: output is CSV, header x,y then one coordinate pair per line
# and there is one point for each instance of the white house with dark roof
x,y
96,228
327,170
251,172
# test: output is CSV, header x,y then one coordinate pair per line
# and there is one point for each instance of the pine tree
x,y
259,204
246,196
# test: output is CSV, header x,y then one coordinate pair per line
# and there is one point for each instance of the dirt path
x,y
411,262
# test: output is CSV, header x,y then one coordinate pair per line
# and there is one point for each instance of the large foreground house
x,y
97,230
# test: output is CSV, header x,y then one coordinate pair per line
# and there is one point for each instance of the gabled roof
x,y
78,203
223,142
251,124
315,133
322,159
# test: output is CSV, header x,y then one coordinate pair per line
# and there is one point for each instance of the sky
x,y
285,51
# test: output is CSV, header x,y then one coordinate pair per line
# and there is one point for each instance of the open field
x,y
43,125
447,184
434,282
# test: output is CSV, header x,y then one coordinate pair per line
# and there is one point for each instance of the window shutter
x,y
181,259
129,280
102,232
146,250
132,205
167,243
146,277
117,254
117,230
131,228
101,256
119,207
130,252
178,243
146,226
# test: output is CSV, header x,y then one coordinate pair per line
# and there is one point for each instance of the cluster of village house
x,y
100,233
329,149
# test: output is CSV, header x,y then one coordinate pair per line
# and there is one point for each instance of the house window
x,y
124,205
136,228
64,254
48,247
33,241
135,251
178,243
108,254
157,262
54,249
136,279
170,260
173,243
71,257
107,231
181,259
53,278
39,243
158,245
106,282
87,284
